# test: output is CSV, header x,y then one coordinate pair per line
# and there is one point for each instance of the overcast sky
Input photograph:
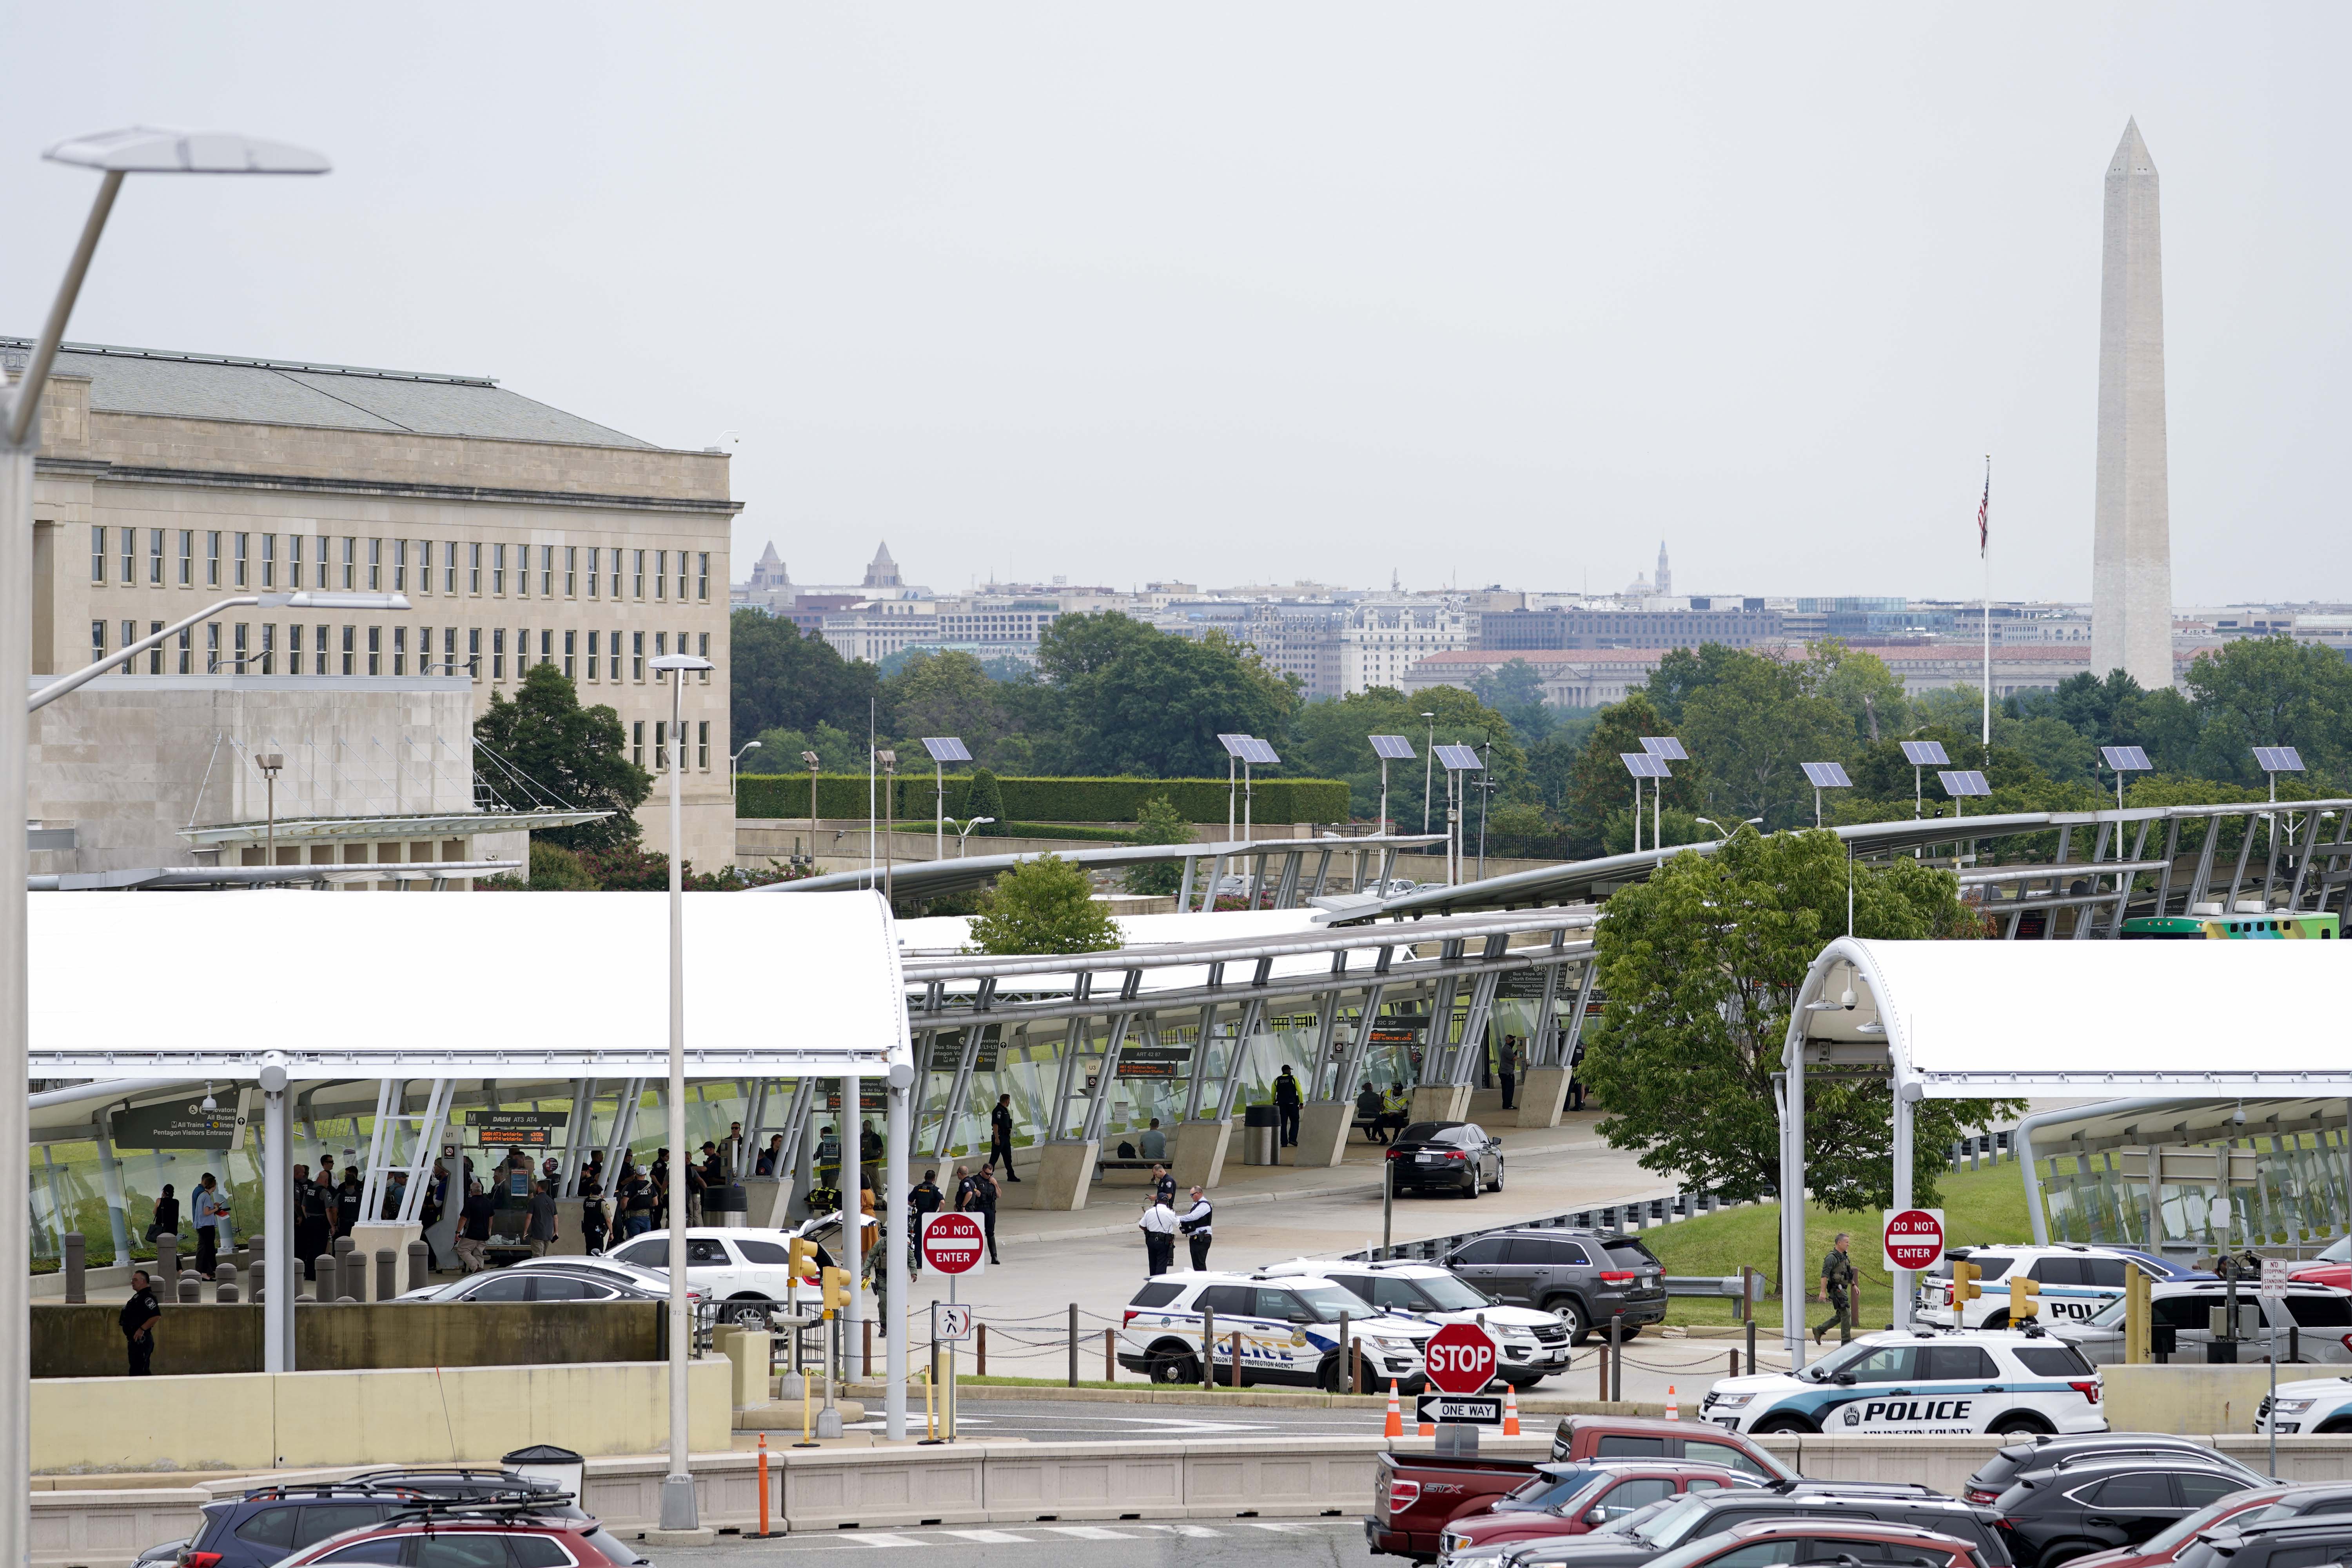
x,y
1252,294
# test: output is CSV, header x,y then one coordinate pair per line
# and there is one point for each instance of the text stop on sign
x,y
952,1243
1460,1358
1913,1238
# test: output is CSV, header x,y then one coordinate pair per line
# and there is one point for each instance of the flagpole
x,y
1984,550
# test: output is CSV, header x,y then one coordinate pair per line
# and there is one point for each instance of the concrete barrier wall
x,y
86,1340
2186,1398
256,1421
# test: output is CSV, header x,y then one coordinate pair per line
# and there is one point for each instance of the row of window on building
x,y
614,655
234,560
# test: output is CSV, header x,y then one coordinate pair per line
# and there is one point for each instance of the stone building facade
x,y
520,534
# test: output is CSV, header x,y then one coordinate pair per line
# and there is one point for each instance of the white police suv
x,y
2075,1281
1921,1382
2312,1404
1289,1328
1530,1345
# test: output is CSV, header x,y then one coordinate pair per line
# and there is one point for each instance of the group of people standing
x,y
1162,1224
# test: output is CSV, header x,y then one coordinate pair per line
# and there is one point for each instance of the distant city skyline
x,y
1507,298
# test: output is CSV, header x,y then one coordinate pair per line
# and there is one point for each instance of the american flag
x,y
1984,507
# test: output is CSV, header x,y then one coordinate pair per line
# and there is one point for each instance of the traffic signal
x,y
802,1259
2024,1299
1965,1286
2137,1349
836,1289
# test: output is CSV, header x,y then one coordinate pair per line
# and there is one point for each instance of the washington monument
x,y
2131,545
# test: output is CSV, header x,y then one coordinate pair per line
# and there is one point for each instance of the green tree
x,y
1859,682
554,869
1045,905
1515,692
1750,729
945,694
2271,691
1134,699
1684,673
1701,965
777,679
1599,786
570,755
985,798
1327,739
1158,823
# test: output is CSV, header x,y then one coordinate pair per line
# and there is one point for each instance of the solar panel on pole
x,y
1664,746
1257,751
1826,775
1642,766
1965,782
946,749
1925,754
2125,759
1459,759
2278,759
1392,748
1232,744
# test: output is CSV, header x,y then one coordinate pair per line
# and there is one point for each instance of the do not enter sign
x,y
1461,1359
1914,1238
952,1243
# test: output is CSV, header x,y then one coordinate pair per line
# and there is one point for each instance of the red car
x,y
1776,1541
1572,1499
2244,1508
2333,1266
476,1536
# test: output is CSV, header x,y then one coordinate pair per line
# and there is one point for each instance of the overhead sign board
x,y
516,1129
946,1052
1913,1238
1154,1061
873,1094
182,1123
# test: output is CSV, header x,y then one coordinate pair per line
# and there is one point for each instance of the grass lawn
x,y
1980,1208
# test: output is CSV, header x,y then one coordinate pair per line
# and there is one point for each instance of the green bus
x,y
2271,926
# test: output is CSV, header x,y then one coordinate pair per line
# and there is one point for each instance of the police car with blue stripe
x,y
2073,1282
1921,1382
1290,1328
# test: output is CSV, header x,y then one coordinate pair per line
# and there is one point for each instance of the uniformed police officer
x,y
140,1316
1837,1288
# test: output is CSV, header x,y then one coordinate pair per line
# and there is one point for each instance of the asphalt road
x,y
1217,1543
1038,1422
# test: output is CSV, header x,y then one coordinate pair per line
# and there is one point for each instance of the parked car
x,y
2278,1544
1634,1541
2076,1280
2333,1266
1416,1494
2097,1502
1581,1276
266,1524
1844,1541
518,1284
2307,1404
1459,1157
1641,1437
752,1269
1575,1499
1532,1345
2320,1315
1996,1475
475,1535
1289,1327
1920,1381
654,1280
2256,1505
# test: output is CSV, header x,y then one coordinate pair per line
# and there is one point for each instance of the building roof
x,y
175,385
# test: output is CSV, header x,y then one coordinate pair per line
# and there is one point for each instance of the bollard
x,y
1356,1386
255,1251
1751,1345
322,1268
979,1361
420,1266
1208,1350
1616,1355
351,1275
865,1351
1074,1345
167,1258
1601,1360
226,1291
76,1267
1237,1358
387,1278
1111,1357
189,1281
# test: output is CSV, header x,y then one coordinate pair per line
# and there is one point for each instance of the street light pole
x,y
677,1505
113,155
746,746
269,762
1428,776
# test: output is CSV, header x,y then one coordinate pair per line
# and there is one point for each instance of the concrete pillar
x,y
1543,1091
900,1137
77,1278
1201,1152
167,1260
387,1274
1322,1133
327,1268
1066,1173
274,1249
372,1242
1441,1102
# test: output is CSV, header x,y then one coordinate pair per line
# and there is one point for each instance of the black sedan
x,y
1446,1156
2096,1504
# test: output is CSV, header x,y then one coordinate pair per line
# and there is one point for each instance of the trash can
x,y
726,1206
1260,1135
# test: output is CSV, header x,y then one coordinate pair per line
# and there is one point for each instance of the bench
x,y
1112,1162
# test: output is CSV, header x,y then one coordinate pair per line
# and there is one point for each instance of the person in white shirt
x,y
1194,1222
1158,1227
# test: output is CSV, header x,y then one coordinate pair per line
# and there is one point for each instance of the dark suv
x,y
2277,1543
267,1523
1697,1515
2097,1504
1584,1275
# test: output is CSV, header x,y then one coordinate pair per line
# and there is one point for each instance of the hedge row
x,y
1047,800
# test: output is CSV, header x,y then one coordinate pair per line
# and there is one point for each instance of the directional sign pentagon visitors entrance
x,y
1461,1359
952,1243
1914,1238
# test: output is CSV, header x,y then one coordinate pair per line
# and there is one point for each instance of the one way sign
x,y
1460,1410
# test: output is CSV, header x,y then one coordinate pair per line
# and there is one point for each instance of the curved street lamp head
x,y
309,601
158,150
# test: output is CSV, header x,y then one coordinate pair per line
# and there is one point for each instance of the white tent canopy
x,y
150,986
1981,1019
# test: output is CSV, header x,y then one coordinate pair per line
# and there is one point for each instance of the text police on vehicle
x,y
1921,1382
1289,1328
2072,1283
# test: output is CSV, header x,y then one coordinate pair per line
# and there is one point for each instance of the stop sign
x,y
1914,1238
1461,1359
952,1243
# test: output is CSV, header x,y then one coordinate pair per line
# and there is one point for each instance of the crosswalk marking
x,y
1090,1532
990,1536
875,1538
1270,1524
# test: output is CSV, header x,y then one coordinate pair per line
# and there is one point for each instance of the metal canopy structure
x,y
404,873
314,829
567,985
1971,1020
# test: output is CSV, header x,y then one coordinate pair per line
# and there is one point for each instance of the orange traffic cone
x,y
1673,1408
1396,1415
1510,1410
